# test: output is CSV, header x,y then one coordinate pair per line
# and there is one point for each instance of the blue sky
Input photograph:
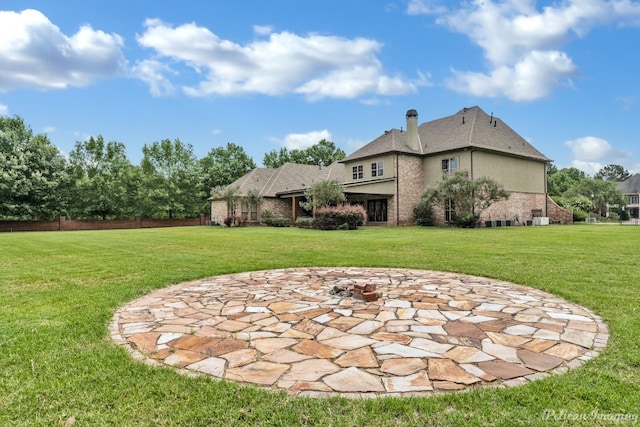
x,y
288,73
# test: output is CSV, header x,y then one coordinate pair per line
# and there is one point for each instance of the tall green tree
x,y
33,176
223,165
322,153
106,184
559,181
612,172
599,193
171,180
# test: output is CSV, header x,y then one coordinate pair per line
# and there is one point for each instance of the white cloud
x,y
263,30
523,46
4,110
314,65
591,153
216,131
34,53
590,168
590,148
49,129
300,141
154,73
424,7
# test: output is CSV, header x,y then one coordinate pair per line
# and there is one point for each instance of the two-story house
x,y
389,174
631,190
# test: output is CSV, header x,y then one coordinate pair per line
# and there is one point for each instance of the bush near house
x,y
304,222
268,218
333,217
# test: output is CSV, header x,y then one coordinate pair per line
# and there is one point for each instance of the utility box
x,y
541,220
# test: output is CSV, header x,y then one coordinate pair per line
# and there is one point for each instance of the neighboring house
x,y
631,190
389,175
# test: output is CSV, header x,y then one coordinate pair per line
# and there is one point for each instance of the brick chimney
x,y
413,139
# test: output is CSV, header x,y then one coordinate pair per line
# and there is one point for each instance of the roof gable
x,y
631,185
468,128
289,177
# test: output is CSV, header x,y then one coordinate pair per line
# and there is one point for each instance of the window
x,y
450,166
377,169
249,211
449,211
358,172
633,200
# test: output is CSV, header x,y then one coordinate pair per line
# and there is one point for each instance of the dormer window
x,y
377,169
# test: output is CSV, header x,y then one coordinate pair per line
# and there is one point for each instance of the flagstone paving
x,y
427,332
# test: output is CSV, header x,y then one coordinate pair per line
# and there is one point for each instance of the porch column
x,y
293,209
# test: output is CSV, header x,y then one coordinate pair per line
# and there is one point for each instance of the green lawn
x,y
58,292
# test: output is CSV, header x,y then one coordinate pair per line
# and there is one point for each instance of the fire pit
x,y
366,292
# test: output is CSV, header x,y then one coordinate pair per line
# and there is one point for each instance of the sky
x,y
288,73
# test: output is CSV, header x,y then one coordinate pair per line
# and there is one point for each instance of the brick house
x,y
389,174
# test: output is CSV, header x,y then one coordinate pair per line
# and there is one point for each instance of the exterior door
x,y
377,210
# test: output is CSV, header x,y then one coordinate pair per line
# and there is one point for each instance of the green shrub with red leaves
x,y
335,217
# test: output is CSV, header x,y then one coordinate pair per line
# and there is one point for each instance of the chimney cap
x,y
412,113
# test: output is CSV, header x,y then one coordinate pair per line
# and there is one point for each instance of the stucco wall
x,y
515,174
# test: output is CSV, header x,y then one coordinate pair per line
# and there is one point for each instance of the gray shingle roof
x,y
478,130
289,177
631,185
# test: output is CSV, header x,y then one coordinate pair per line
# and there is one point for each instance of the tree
x,y
322,153
322,194
614,173
105,183
231,195
600,194
171,180
223,165
33,176
560,181
467,197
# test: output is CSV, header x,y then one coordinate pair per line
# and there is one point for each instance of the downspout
x,y
546,195
473,206
397,189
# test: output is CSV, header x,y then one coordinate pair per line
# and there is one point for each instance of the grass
x,y
58,291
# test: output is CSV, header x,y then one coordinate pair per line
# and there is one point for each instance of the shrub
x,y
423,212
466,220
331,217
280,221
266,217
304,222
579,215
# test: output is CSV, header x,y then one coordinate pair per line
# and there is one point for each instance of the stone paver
x,y
428,332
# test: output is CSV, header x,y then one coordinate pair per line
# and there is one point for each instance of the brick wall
x,y
218,211
557,214
410,188
279,207
521,205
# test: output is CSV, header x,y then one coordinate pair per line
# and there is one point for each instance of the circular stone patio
x,y
426,332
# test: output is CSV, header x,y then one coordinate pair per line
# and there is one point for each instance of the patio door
x,y
377,210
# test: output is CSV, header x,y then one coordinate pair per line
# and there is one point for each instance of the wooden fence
x,y
64,224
